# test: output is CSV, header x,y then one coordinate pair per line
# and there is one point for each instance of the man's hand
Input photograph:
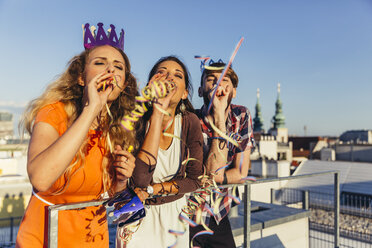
x,y
219,105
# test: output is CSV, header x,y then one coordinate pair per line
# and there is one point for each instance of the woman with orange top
x,y
78,149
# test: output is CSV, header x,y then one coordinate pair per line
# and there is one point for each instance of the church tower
x,y
258,120
278,119
278,128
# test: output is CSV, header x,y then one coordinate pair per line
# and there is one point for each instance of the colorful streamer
x,y
198,234
250,178
224,71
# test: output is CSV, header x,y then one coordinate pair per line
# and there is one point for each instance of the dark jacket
x,y
188,173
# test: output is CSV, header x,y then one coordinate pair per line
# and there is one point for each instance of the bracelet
x,y
222,143
150,155
224,178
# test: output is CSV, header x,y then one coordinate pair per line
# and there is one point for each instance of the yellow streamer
x,y
223,135
155,90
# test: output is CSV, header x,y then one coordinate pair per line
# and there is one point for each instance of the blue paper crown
x,y
204,60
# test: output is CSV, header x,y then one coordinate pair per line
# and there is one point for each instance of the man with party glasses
x,y
230,161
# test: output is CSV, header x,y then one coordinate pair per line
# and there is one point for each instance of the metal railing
x,y
53,210
9,228
355,214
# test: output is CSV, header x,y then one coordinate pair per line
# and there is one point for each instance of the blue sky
x,y
320,51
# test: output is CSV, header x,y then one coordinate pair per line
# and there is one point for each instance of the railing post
x,y
305,199
247,215
53,228
337,209
272,196
11,229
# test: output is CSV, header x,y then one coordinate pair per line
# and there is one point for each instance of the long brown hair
x,y
67,90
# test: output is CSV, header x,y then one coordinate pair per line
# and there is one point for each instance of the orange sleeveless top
x,y
76,228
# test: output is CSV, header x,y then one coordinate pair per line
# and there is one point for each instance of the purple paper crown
x,y
92,40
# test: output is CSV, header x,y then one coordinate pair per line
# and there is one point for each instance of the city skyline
x,y
320,52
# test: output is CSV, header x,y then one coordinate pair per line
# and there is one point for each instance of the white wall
x,y
270,168
327,154
8,166
268,147
283,168
282,135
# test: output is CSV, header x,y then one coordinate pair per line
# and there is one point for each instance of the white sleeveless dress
x,y
153,231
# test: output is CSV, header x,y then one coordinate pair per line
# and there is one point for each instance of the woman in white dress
x,y
163,165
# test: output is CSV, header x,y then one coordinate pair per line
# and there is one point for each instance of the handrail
x,y
53,210
75,205
11,217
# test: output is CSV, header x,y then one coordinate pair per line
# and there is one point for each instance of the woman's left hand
x,y
163,102
124,163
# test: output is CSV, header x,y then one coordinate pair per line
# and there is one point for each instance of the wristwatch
x,y
150,190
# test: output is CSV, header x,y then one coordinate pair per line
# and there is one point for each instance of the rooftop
x,y
355,177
